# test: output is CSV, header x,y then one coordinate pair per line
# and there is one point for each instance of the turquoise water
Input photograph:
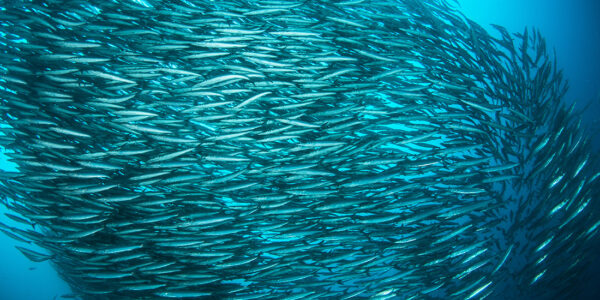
x,y
572,27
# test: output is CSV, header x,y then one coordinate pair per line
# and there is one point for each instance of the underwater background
x,y
571,27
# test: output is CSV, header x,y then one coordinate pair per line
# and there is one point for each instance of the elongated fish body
x,y
289,150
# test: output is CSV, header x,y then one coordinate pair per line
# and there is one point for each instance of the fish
x,y
291,149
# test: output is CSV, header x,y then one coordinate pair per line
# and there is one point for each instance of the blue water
x,y
572,27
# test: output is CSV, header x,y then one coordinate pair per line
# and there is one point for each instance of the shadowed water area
x,y
292,150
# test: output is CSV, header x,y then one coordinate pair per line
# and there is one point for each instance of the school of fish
x,y
285,149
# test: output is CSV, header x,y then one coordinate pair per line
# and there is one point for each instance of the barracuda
x,y
291,149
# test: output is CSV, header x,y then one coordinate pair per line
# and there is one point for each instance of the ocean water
x,y
570,27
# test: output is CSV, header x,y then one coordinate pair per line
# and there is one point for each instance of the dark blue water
x,y
572,27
